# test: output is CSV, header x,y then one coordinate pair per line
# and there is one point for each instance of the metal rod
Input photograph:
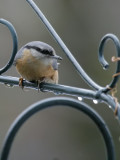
x,y
69,102
63,90
15,44
104,62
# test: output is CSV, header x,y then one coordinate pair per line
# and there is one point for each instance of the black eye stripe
x,y
49,52
44,51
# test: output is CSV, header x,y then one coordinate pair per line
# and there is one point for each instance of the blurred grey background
x,y
60,133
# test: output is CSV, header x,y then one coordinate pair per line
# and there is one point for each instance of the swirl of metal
x,y
82,73
102,60
15,45
58,101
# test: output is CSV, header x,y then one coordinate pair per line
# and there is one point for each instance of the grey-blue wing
x,y
18,56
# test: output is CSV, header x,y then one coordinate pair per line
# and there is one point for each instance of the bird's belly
x,y
32,69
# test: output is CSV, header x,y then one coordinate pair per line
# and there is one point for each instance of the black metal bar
x,y
63,90
104,62
15,44
14,81
25,115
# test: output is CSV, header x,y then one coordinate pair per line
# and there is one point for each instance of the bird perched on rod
x,y
37,62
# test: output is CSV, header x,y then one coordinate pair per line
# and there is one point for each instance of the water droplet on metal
x,y
80,98
9,85
57,93
95,101
110,106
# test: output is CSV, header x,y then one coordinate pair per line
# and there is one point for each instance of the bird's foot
x,y
21,82
40,81
38,85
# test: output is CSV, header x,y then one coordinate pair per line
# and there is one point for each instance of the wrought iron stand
x,y
99,93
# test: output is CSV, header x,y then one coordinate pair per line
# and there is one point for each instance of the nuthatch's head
x,y
40,50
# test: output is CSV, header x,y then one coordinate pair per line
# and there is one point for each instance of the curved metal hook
x,y
50,102
102,60
15,45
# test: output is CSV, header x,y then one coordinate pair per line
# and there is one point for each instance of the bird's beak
x,y
57,57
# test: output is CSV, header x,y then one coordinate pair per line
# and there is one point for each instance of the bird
x,y
37,62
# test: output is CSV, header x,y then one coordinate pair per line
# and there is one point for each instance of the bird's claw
x,y
21,82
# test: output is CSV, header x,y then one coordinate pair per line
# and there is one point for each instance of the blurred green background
x,y
60,133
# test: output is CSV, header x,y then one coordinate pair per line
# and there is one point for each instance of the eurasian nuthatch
x,y
37,62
